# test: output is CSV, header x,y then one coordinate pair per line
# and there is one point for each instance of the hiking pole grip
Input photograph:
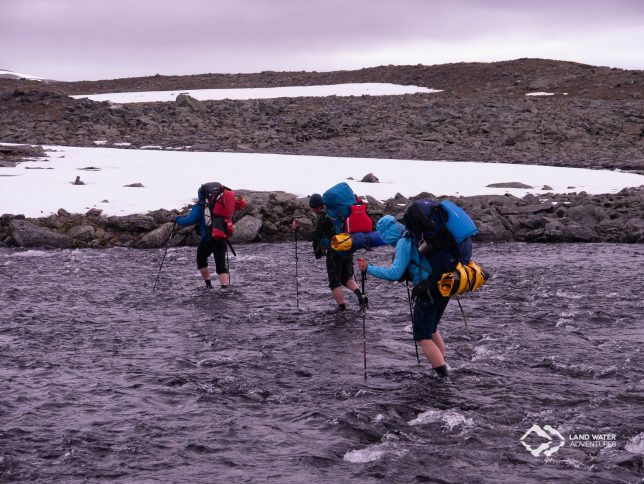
x,y
363,275
174,226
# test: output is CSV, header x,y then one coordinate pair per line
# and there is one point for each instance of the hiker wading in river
x,y
339,265
212,214
429,306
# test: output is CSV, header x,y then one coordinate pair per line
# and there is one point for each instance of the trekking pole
x,y
467,330
364,323
411,316
228,269
297,280
164,254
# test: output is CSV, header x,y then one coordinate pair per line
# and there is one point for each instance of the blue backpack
x,y
442,231
338,201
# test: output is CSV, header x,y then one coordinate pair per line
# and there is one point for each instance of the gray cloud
x,y
91,39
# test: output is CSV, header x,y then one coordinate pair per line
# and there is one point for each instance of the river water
x,y
102,378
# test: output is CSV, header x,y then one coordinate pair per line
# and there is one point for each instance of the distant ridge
x,y
464,80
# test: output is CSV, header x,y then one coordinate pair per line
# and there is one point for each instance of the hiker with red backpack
x,y
213,214
339,265
433,251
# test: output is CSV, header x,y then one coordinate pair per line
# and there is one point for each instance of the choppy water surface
x,y
102,378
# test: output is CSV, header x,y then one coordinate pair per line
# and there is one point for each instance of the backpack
x,y
442,232
218,210
358,219
346,211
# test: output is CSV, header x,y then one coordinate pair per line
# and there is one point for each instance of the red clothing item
x,y
240,203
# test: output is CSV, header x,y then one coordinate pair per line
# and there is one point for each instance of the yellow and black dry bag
x,y
342,242
464,279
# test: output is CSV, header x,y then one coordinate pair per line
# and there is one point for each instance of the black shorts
x,y
427,314
339,268
214,246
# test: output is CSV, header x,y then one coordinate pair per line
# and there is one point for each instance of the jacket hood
x,y
391,231
200,196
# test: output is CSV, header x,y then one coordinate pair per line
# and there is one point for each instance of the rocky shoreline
x,y
501,218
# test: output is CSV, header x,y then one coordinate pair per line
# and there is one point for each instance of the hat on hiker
x,y
315,201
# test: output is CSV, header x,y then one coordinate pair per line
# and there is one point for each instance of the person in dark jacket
x,y
339,265
208,245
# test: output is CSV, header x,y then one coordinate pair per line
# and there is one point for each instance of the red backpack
x,y
358,219
219,209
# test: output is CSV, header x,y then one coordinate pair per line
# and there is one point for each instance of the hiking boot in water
x,y
342,307
224,286
208,283
441,371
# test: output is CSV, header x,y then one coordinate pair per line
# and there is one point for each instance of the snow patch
x,y
350,89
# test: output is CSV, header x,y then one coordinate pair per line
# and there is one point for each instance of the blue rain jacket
x,y
197,214
407,256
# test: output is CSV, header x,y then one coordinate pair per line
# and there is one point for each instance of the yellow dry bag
x,y
463,279
341,242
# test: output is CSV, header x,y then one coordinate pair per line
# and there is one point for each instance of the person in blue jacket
x,y
428,306
208,245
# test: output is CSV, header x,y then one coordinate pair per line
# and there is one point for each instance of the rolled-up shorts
x,y
339,268
218,248
427,315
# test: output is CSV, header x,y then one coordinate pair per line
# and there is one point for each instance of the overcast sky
x,y
105,39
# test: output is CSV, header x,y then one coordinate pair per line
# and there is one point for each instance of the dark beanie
x,y
315,201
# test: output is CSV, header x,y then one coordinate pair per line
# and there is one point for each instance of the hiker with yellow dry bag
x,y
434,244
338,211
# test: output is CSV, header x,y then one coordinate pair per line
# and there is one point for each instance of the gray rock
x,y
375,204
157,238
27,234
578,233
509,185
184,100
493,231
267,108
269,228
533,209
94,212
133,223
247,229
306,227
556,231
586,214
82,232
370,178
134,185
